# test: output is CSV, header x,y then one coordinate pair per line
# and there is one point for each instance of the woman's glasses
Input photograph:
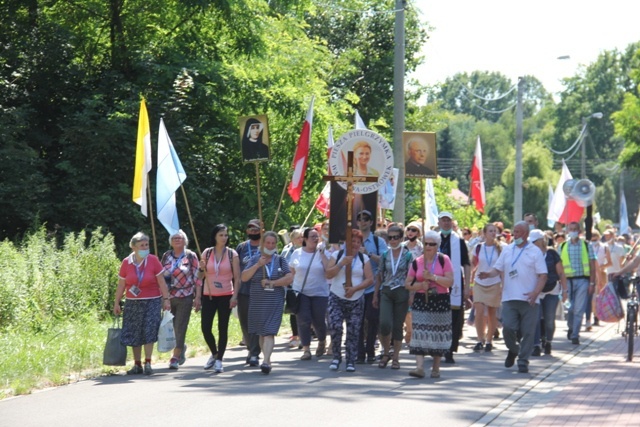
x,y
396,237
415,230
430,244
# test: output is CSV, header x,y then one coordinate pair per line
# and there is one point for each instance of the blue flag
x,y
170,176
624,216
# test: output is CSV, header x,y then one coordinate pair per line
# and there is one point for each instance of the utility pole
x,y
583,150
517,198
398,109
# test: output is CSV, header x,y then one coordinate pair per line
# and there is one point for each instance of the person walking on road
x,y
220,271
391,296
455,248
524,273
181,276
579,263
429,279
141,278
268,275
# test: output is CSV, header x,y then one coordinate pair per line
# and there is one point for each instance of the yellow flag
x,y
143,160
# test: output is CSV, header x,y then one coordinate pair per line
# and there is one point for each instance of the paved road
x,y
477,390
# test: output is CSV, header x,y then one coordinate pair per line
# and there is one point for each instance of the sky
x,y
517,37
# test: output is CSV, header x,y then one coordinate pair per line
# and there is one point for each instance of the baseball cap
x,y
535,235
365,212
254,223
445,215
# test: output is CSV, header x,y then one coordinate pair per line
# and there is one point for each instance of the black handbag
x,y
292,298
115,354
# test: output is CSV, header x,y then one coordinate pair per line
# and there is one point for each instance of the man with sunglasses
x,y
456,249
372,246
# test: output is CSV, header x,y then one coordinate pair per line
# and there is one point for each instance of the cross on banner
x,y
350,179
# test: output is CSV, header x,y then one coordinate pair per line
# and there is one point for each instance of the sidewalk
x,y
593,385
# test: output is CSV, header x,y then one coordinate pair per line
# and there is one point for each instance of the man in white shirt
x,y
524,272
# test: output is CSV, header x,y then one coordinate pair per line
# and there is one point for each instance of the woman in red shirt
x,y
141,278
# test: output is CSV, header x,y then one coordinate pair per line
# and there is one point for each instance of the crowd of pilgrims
x,y
406,286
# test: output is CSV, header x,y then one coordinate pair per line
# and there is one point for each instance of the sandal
x,y
435,374
395,364
383,361
306,355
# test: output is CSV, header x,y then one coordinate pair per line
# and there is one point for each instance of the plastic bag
x,y
115,354
166,334
608,305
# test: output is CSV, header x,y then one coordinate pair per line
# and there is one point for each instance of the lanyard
x,y
394,267
518,257
177,262
216,263
270,268
140,271
432,269
493,251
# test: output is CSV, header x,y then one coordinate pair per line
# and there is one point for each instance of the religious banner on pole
x,y
254,137
387,193
372,158
420,154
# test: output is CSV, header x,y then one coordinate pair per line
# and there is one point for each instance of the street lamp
x,y
583,153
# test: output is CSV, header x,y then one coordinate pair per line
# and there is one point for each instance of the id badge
x,y
135,291
513,274
269,288
217,285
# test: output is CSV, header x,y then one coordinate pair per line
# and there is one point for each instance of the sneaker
x,y
183,356
575,341
217,367
136,370
253,361
510,360
360,360
210,363
547,348
173,363
537,351
147,369
523,369
350,367
335,365
488,347
294,343
478,347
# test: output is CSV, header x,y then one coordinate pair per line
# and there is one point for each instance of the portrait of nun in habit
x,y
255,139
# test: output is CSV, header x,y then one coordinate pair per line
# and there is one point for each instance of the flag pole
x,y
284,188
153,224
259,201
193,229
308,215
424,212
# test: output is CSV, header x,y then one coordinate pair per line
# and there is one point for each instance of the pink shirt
x,y
148,270
435,268
218,273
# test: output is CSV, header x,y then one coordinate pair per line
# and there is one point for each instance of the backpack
x,y
207,257
341,252
608,305
414,265
551,258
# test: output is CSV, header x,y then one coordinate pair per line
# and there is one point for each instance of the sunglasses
x,y
430,244
415,230
395,237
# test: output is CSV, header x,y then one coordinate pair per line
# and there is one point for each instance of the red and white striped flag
x,y
301,157
477,179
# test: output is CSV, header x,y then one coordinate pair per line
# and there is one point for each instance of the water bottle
x,y
567,304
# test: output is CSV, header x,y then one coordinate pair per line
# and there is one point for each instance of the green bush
x,y
43,283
